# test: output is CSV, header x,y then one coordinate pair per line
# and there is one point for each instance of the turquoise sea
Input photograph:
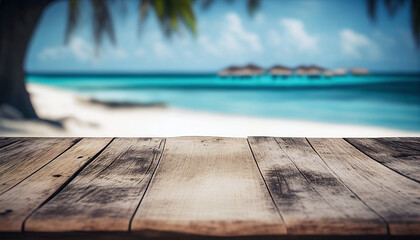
x,y
385,100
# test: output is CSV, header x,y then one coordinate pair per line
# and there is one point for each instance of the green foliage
x,y
171,14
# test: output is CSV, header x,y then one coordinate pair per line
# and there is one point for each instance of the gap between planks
x,y
156,168
105,194
23,158
310,199
10,188
148,184
41,186
208,186
383,153
392,195
66,182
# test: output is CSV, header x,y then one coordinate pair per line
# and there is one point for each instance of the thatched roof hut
x,y
340,71
280,71
311,70
359,71
328,73
229,71
246,71
251,70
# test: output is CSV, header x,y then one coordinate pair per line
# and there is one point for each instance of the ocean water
x,y
384,100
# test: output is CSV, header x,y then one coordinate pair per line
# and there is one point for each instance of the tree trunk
x,y
18,20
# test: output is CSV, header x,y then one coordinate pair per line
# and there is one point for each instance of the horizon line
x,y
168,73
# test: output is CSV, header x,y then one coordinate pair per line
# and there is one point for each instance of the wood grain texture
x,y
208,186
21,200
399,154
311,199
393,196
19,160
4,141
105,195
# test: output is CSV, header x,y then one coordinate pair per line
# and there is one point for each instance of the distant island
x,y
312,71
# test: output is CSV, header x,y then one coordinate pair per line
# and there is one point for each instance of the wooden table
x,y
198,187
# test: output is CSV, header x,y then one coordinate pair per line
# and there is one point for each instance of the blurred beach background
x,y
153,83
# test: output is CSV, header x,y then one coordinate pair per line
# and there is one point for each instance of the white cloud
x,y
233,38
356,45
230,43
296,32
235,28
273,38
208,46
79,49
49,53
161,50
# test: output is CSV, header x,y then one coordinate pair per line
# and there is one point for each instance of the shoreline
x,y
86,117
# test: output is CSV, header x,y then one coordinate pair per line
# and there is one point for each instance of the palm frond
x,y
253,6
392,7
144,8
170,12
102,23
206,4
72,19
415,21
371,7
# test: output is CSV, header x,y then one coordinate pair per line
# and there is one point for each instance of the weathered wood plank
x,y
4,141
400,154
105,195
311,199
19,160
393,196
208,186
21,200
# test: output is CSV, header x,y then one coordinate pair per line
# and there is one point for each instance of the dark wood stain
x,y
110,187
307,186
308,195
399,154
5,141
390,194
21,159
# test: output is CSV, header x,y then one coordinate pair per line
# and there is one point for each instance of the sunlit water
x,y
391,101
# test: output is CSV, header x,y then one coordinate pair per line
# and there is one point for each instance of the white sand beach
x,y
81,117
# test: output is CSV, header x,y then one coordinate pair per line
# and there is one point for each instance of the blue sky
x,y
330,33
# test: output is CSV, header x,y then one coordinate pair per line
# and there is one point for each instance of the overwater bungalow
x,y
310,71
251,70
328,73
359,71
228,71
280,71
340,72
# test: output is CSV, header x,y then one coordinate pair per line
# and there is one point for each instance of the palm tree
x,y
19,18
